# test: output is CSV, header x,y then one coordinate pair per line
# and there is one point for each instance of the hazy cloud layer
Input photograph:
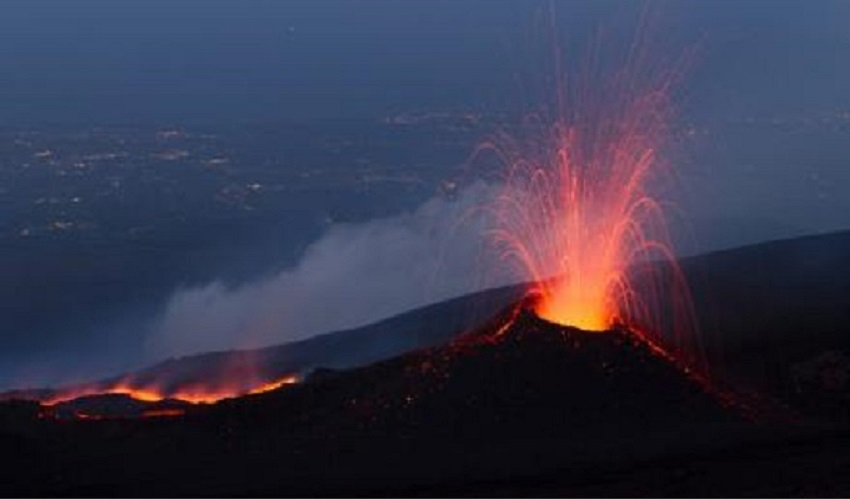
x,y
354,275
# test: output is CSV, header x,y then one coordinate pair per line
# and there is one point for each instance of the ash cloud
x,y
354,275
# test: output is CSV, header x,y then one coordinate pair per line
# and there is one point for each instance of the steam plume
x,y
354,275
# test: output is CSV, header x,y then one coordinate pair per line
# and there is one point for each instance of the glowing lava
x,y
274,384
578,218
191,394
581,214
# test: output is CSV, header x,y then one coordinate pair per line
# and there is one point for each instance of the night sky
x,y
128,61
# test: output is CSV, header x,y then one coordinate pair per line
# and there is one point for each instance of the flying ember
x,y
581,214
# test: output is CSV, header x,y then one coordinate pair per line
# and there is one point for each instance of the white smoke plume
x,y
354,275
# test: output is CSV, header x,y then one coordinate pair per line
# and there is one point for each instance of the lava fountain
x,y
581,213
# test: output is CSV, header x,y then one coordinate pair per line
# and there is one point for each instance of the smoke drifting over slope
x,y
355,274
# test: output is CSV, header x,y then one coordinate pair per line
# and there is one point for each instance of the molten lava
x,y
577,223
149,393
274,384
581,216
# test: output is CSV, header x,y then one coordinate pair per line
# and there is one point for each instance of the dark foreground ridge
x,y
539,406
534,377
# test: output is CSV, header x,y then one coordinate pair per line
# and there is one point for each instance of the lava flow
x,y
581,215
195,394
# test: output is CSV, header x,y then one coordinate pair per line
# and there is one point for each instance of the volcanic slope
x,y
424,327
536,399
530,374
762,309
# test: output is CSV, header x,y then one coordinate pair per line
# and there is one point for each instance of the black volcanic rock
x,y
536,378
101,406
540,408
766,309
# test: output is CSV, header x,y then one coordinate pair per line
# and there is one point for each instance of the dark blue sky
x,y
201,61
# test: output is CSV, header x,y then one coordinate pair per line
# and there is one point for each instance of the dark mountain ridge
x,y
536,397
796,294
541,409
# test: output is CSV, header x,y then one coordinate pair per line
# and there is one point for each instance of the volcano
x,y
482,407
531,376
532,408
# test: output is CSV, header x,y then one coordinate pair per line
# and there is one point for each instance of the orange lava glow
x,y
196,394
578,223
275,384
581,214
578,214
140,394
163,413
